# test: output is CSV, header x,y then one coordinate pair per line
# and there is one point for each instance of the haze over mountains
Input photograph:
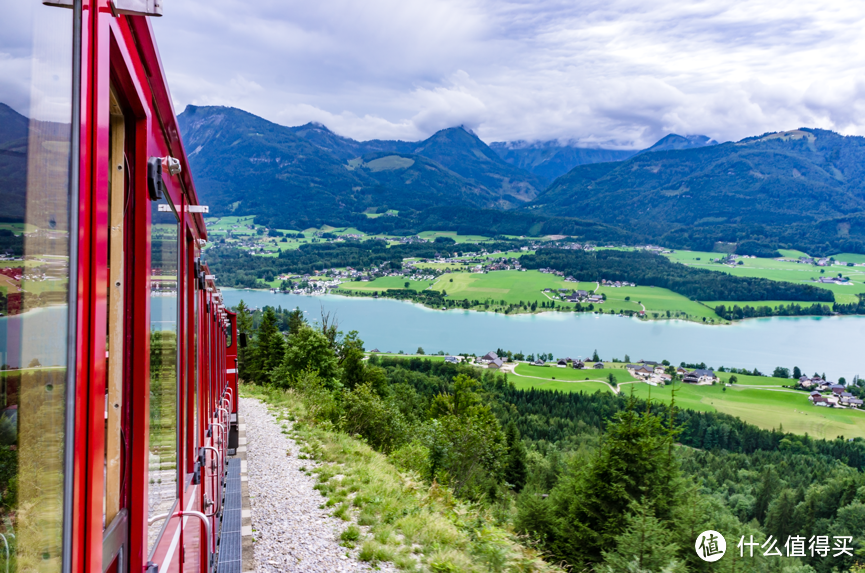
x,y
800,188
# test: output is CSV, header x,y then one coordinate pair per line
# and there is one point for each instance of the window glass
x,y
35,147
163,462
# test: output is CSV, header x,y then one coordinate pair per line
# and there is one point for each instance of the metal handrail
x,y
203,518
213,475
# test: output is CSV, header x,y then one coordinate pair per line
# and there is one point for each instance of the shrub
x,y
379,422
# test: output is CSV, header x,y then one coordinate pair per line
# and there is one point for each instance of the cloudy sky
x,y
615,73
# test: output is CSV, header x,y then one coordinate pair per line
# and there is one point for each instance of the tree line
x,y
237,268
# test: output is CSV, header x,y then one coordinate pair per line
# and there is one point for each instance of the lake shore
x,y
829,344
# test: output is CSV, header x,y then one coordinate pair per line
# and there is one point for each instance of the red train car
x,y
117,355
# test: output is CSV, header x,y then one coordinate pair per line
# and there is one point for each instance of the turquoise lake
x,y
833,345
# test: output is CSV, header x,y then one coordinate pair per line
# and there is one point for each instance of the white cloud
x,y
617,72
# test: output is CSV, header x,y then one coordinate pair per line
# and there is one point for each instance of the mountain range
x,y
800,188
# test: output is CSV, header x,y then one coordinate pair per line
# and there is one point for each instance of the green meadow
x,y
510,286
432,235
571,375
784,409
385,283
774,269
574,386
658,301
766,408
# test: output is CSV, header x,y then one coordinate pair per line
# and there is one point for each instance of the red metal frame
x,y
120,51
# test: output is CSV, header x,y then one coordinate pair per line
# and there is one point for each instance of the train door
x,y
115,540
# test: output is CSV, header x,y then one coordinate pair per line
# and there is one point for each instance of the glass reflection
x,y
164,263
35,116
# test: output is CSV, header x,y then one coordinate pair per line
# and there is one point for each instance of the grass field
x,y
569,374
764,408
510,286
782,271
657,301
590,387
516,286
850,258
748,380
385,283
432,235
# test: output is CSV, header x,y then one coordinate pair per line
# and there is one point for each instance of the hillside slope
x,y
549,159
308,176
811,181
455,148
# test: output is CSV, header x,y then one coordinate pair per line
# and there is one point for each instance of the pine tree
x,y
636,464
645,545
765,492
516,471
267,350
295,320
779,517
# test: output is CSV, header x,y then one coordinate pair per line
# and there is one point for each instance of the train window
x,y
35,155
164,267
191,391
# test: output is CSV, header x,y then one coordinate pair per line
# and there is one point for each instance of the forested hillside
x,y
552,159
801,188
600,483
301,177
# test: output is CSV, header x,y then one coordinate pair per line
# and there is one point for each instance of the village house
x,y
562,363
539,362
640,370
452,360
700,376
488,357
496,364
578,364
598,365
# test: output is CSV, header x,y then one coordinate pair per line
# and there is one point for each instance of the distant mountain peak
x,y
467,129
315,125
674,141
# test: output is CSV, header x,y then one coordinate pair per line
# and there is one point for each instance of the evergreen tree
x,y
516,469
780,515
765,492
267,349
636,464
796,372
595,357
295,320
645,545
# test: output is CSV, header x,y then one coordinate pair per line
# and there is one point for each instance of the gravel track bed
x,y
291,533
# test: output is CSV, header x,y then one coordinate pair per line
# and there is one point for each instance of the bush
x,y
379,422
413,456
